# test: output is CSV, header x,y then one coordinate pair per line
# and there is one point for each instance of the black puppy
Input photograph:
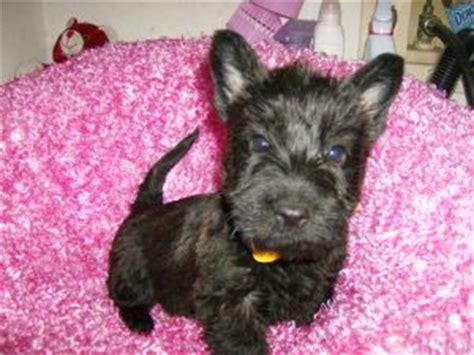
x,y
269,247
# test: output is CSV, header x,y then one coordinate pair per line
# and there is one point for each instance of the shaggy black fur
x,y
297,146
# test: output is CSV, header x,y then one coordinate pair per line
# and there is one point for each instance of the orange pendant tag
x,y
265,256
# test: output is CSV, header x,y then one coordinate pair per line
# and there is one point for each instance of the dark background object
x,y
457,59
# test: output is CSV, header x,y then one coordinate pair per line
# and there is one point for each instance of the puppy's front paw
x,y
137,319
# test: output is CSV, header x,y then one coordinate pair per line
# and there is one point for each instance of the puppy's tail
x,y
150,192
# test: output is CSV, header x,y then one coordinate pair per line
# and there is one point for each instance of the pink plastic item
x,y
254,23
288,8
259,20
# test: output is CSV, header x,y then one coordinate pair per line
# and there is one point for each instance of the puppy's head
x,y
297,145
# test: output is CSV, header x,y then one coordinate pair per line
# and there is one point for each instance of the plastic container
x,y
254,23
328,32
380,37
285,8
260,20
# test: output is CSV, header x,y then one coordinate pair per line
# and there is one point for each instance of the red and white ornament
x,y
76,37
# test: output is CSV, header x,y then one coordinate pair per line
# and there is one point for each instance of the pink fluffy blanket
x,y
77,139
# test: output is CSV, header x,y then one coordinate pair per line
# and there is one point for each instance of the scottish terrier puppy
x,y
269,246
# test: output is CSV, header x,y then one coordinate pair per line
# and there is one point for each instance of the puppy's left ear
x,y
378,83
234,67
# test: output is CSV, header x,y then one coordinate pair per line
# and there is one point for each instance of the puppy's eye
x,y
337,154
260,144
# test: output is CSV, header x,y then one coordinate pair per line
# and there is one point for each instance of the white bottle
x,y
380,37
328,32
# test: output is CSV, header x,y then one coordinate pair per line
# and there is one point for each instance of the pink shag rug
x,y
77,139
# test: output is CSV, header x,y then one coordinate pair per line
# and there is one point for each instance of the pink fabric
x,y
77,139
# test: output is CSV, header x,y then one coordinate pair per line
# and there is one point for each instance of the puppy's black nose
x,y
292,216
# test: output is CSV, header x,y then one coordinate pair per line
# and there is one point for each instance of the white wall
x,y
137,21
31,28
23,37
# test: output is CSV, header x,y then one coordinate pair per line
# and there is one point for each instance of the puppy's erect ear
x,y
378,83
234,66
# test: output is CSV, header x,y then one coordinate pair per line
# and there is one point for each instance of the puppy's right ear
x,y
234,67
378,83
